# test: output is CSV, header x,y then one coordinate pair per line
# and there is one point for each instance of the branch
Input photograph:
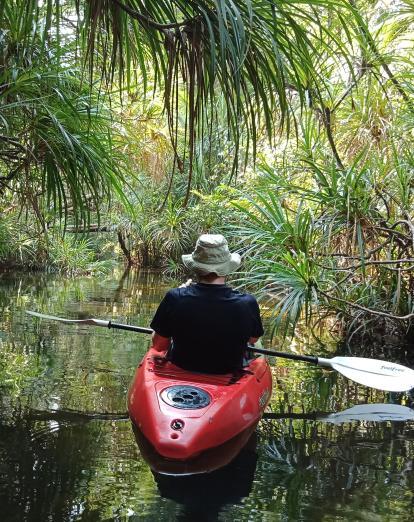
x,y
91,228
348,91
148,21
398,236
409,224
10,175
346,256
124,248
385,262
326,118
368,310
14,142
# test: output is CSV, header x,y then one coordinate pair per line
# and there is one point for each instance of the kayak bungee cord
x,y
374,373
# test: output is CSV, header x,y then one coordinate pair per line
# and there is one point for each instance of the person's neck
x,y
212,280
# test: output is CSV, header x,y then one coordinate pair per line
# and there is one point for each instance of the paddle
x,y
361,412
93,322
374,373
382,375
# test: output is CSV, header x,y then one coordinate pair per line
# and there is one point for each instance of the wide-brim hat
x,y
212,255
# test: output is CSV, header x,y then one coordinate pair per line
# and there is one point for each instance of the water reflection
x,y
67,452
203,497
356,472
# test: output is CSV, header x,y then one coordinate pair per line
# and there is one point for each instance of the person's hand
x,y
187,283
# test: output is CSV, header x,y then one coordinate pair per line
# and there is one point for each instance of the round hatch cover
x,y
186,397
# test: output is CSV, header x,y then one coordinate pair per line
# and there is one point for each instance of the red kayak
x,y
183,414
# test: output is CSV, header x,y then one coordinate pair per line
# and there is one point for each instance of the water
x,y
68,453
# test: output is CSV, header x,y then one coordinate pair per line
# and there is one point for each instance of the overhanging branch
x,y
149,21
368,310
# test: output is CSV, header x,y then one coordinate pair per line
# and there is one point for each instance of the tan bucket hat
x,y
211,254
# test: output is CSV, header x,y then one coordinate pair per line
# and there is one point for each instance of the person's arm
x,y
257,330
160,343
162,324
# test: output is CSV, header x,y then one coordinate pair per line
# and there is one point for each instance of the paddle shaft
x,y
273,353
295,357
130,327
305,358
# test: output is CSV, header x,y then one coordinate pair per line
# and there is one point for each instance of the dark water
x,y
67,452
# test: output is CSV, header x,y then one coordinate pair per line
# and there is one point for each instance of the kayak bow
x,y
182,414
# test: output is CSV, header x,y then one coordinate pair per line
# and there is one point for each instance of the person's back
x,y
208,323
210,326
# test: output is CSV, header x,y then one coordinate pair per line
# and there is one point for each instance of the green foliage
x,y
278,259
157,237
8,245
351,171
16,369
273,227
74,255
254,53
324,220
21,245
17,244
56,148
332,242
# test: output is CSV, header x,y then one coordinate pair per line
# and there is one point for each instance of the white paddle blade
x,y
96,322
372,413
374,373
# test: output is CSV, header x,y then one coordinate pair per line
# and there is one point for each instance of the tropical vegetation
x,y
130,127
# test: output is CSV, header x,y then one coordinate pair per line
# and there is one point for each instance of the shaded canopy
x,y
258,55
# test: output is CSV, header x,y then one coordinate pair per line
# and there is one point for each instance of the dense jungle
x,y
127,129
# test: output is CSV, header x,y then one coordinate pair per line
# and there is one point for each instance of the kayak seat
x,y
163,367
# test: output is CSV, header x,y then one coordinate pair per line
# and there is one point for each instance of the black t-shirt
x,y
209,325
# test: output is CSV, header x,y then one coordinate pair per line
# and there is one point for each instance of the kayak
x,y
183,414
208,461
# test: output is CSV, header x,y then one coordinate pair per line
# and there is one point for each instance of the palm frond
x,y
56,148
262,56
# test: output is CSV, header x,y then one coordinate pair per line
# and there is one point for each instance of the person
x,y
206,326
